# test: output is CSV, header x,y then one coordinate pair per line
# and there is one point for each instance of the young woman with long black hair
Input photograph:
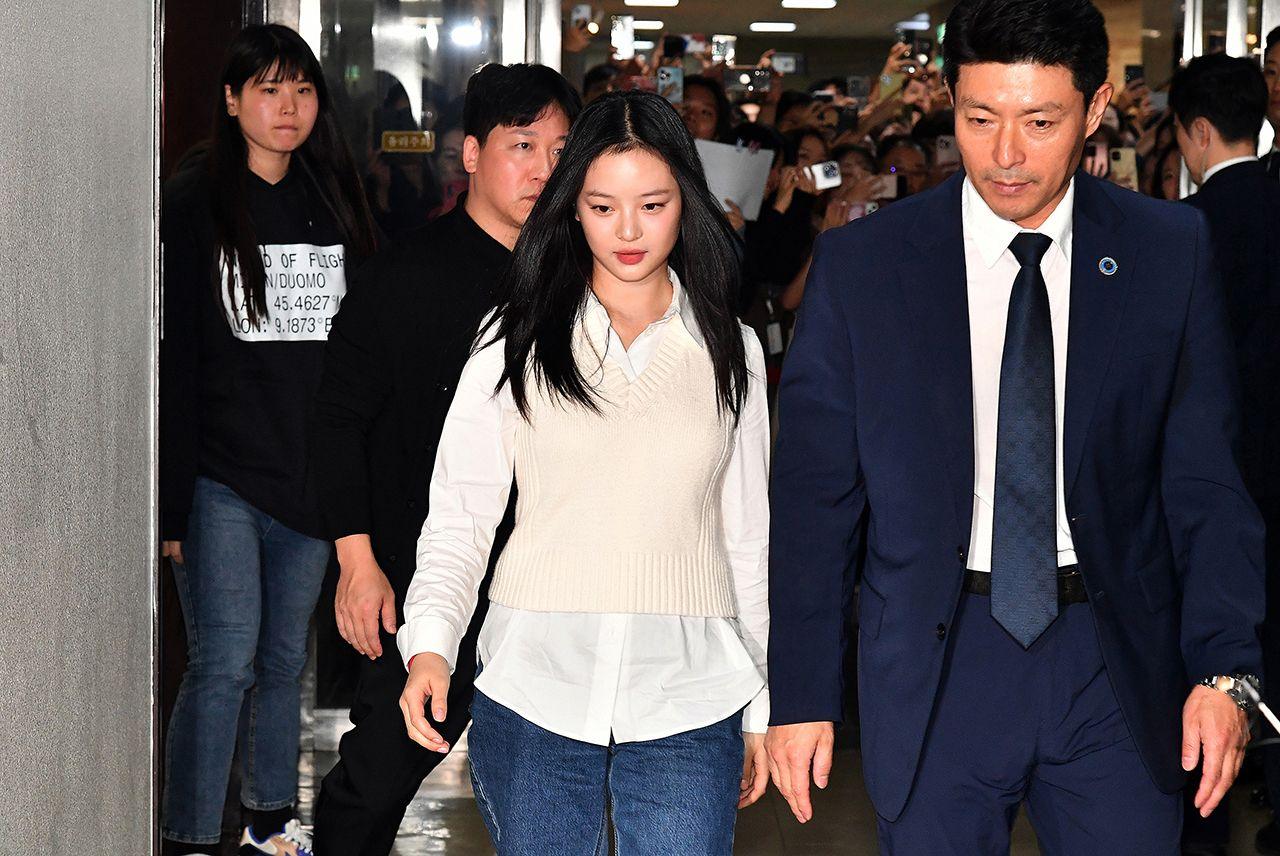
x,y
628,612
257,236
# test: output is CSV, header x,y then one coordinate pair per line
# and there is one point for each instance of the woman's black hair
x,y
1070,33
750,134
1157,180
724,110
796,138
789,100
546,287
324,159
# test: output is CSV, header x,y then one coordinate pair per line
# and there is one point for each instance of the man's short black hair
x,y
1230,92
515,96
1070,33
898,141
597,74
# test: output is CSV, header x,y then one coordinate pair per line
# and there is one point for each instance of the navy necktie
x,y
1024,547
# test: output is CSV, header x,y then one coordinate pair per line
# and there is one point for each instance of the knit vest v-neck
x,y
619,511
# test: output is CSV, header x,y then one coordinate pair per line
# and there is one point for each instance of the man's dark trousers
x,y
392,360
1040,725
364,798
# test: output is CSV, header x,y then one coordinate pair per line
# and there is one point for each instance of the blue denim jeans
x,y
540,793
248,588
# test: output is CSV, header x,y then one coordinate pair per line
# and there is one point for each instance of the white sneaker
x,y
293,840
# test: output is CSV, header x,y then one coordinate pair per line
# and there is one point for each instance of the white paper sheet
x,y
736,173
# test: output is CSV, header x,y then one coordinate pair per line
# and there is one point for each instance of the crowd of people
x,y
528,388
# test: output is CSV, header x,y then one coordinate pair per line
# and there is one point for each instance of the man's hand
x,y
755,769
364,596
428,679
792,749
172,550
1212,723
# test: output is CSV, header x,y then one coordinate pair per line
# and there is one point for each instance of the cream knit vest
x,y
620,511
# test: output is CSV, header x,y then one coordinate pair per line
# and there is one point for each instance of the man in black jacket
x,y
1219,103
394,356
1271,73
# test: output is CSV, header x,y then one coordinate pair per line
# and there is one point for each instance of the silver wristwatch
x,y
1243,689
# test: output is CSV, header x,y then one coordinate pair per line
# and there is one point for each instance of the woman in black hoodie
x,y
257,235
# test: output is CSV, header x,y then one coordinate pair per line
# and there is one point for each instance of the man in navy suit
x,y
1025,381
1219,103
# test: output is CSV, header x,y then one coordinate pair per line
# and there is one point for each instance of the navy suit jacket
x,y
876,416
1242,207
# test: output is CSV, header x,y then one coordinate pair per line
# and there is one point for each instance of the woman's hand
x,y
734,216
755,769
788,179
171,550
1098,164
428,679
837,213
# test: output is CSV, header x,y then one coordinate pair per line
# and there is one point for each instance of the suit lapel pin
x,y
1108,266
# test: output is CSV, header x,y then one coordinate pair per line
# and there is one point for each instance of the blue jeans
x,y
248,588
543,794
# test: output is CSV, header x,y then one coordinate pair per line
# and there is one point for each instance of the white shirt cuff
x,y
428,635
755,719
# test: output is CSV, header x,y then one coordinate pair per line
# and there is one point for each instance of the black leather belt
x,y
1070,584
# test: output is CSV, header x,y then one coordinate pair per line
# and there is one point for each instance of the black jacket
x,y
1271,163
235,405
1243,209
394,358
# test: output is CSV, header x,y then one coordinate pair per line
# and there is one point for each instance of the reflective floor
x,y
443,817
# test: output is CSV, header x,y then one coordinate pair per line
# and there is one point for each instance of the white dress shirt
x,y
1219,167
588,676
991,270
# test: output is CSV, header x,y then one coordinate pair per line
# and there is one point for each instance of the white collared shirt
x,y
588,676
991,270
1219,167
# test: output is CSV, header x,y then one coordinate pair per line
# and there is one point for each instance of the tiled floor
x,y
443,818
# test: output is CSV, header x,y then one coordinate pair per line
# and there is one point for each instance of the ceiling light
x,y
772,27
593,27
643,45
646,25
808,4
466,35
652,2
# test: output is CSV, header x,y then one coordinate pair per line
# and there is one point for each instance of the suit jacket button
x,y
411,505
960,554
391,560
942,631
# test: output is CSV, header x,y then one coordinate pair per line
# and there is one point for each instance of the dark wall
x,y
196,34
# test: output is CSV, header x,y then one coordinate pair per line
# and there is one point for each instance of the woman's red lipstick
x,y
633,257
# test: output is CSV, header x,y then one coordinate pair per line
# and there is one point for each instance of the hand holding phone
x,y
671,83
1124,167
825,175
886,186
